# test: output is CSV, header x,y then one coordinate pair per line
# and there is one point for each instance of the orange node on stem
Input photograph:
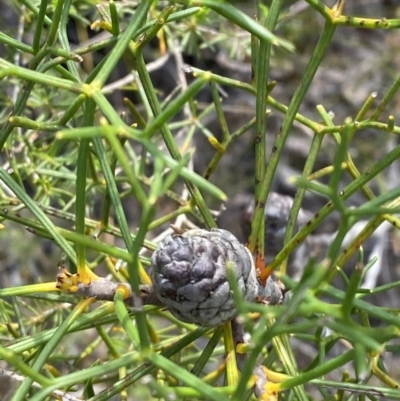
x,y
264,274
66,281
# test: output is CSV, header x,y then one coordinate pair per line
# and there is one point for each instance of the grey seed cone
x,y
277,213
189,275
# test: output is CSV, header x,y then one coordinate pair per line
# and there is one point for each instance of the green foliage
x,y
68,146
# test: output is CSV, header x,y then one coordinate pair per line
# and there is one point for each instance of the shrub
x,y
107,140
